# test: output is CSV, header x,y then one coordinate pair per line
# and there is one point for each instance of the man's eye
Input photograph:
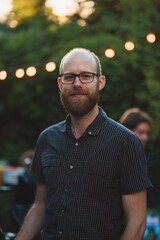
x,y
68,77
86,75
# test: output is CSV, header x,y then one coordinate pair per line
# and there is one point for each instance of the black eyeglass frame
x,y
78,75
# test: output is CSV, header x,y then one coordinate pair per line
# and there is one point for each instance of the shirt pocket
x,y
53,167
49,160
99,177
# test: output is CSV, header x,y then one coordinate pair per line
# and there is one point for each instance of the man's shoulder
x,y
53,129
113,128
116,126
119,131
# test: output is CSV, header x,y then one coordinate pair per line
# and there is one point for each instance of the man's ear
x,y
59,83
102,82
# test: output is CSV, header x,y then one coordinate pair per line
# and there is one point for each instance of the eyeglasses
x,y
84,77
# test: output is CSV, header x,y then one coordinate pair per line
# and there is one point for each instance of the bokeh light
x,y
20,73
31,71
109,53
3,75
13,24
129,45
151,38
50,66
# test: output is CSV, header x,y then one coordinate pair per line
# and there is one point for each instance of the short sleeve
x,y
35,172
133,167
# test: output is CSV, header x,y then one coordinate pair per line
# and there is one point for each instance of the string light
x,y
151,38
19,73
109,53
3,75
129,45
50,66
31,71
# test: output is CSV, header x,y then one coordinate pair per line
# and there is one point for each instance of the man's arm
x,y
135,212
34,220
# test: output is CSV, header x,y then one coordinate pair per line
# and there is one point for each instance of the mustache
x,y
78,92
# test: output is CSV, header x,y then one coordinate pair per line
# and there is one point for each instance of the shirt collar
x,y
93,129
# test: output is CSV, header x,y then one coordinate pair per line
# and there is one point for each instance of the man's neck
x,y
79,124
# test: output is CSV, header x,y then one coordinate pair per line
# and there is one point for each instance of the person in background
x,y
24,193
140,123
137,121
90,171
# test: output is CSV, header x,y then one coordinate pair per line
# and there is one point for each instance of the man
x,y
90,171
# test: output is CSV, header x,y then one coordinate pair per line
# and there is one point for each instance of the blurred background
x,y
34,36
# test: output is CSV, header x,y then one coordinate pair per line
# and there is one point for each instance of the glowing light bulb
x,y
19,73
50,66
109,53
151,38
129,45
31,71
3,75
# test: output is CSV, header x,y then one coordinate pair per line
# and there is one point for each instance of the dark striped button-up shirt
x,y
86,178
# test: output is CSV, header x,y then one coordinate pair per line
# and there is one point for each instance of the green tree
x,y
23,10
132,77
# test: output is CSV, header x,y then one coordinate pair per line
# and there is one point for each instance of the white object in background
x,y
11,174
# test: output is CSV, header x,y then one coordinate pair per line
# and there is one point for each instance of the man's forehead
x,y
78,58
78,54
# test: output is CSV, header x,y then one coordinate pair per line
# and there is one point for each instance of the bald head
x,y
81,53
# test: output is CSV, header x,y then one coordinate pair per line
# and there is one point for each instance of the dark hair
x,y
132,117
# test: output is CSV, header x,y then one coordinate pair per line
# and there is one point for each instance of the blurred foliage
x,y
29,105
25,10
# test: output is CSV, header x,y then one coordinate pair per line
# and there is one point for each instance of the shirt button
x,y
76,144
89,133
62,210
71,166
60,232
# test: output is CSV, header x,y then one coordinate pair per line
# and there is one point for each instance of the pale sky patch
x,y
5,7
63,7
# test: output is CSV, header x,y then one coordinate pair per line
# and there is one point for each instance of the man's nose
x,y
77,82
